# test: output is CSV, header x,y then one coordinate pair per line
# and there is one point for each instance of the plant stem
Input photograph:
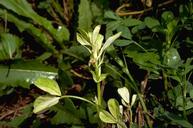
x,y
144,109
99,94
131,116
165,81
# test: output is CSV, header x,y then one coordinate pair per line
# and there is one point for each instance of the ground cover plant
x,y
96,63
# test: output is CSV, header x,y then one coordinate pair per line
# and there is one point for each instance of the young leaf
x,y
133,99
44,102
48,85
113,106
124,93
95,33
109,41
107,117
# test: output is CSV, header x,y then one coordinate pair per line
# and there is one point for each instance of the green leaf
x,y
66,114
167,16
84,21
111,26
151,22
191,93
130,22
113,106
125,32
122,43
9,45
178,120
44,102
172,58
108,42
23,73
23,8
145,60
107,117
111,15
48,85
38,34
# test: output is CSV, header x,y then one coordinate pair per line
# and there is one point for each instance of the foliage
x,y
143,70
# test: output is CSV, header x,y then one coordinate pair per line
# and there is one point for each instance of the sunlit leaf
x,y
133,99
44,102
113,106
124,93
48,85
107,117
108,42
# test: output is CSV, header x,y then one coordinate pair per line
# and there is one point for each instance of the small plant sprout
x,y
124,93
93,42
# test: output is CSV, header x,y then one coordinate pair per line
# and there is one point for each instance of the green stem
x,y
184,96
99,94
77,97
165,81
131,117
144,109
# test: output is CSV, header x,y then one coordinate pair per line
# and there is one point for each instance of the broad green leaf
x,y
113,106
172,58
107,117
111,26
125,32
124,93
151,22
48,85
85,15
44,102
23,73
